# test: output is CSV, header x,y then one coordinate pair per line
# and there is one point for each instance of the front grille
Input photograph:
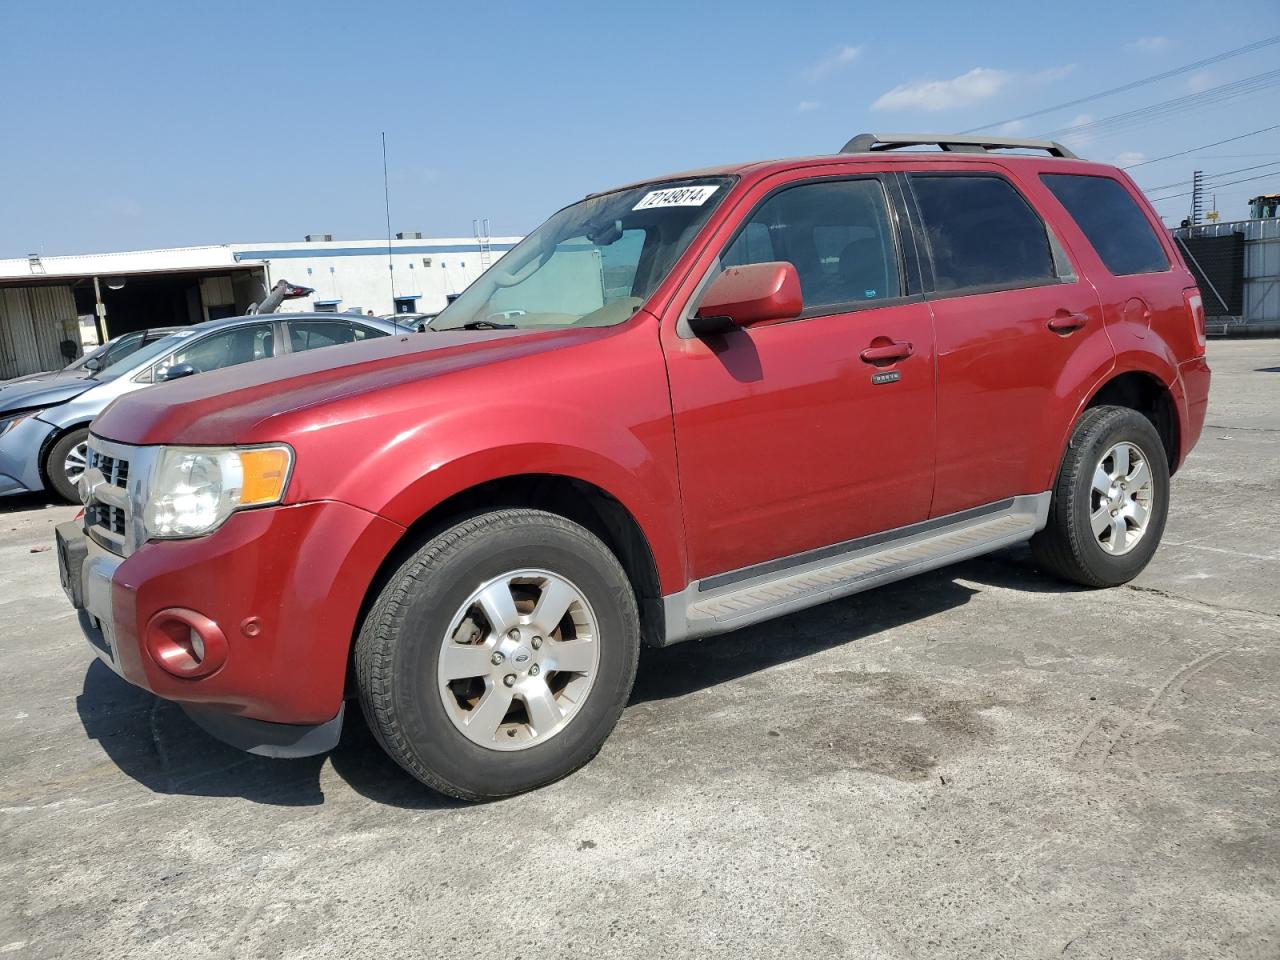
x,y
108,522
105,517
114,469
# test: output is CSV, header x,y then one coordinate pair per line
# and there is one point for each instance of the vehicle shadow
x,y
30,501
153,742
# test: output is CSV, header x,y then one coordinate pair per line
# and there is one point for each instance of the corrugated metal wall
x,y
1261,307
33,322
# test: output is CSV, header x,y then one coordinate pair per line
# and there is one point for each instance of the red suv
x,y
674,409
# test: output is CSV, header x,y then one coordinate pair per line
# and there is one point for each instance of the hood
x,y
244,404
42,375
28,394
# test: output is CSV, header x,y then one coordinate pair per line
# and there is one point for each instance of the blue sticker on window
x,y
870,294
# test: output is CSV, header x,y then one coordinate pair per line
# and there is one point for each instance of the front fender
x,y
599,412
630,474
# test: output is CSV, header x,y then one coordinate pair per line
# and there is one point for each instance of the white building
x,y
413,275
53,308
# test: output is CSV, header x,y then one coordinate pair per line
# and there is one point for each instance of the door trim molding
x,y
742,597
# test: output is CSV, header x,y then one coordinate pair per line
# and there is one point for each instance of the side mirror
x,y
745,296
178,371
93,363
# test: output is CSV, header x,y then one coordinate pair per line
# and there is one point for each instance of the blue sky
x,y
136,125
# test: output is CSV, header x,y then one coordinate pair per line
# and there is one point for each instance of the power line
x,y
1165,108
1216,186
1206,146
1248,48
1221,173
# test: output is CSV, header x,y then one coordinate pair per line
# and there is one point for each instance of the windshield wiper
x,y
480,325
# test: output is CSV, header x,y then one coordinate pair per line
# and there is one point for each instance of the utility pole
x,y
1197,197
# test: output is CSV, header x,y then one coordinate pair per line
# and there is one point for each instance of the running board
x,y
729,601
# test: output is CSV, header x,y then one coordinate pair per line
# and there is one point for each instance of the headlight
x,y
197,488
10,420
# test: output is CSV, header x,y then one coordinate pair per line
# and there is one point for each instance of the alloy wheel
x,y
1122,498
518,660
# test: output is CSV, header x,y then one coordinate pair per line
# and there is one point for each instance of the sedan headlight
x,y
197,488
10,420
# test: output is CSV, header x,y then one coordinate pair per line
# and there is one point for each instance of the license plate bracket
x,y
72,551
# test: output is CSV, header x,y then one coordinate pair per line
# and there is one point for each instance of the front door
x,y
807,433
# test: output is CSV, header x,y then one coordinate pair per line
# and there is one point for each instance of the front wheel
x,y
66,463
1110,500
499,656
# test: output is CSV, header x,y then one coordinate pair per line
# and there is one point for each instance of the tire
x,y
70,445
402,652
1085,540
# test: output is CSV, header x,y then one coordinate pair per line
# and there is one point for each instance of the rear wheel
x,y
1110,500
499,656
66,463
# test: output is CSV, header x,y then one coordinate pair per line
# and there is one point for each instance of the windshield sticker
x,y
677,197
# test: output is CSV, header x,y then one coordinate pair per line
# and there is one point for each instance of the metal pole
x,y
101,309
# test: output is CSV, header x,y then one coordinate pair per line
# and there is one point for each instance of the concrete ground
x,y
980,762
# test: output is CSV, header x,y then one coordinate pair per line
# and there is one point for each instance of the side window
x,y
226,349
312,334
982,233
836,233
1111,220
360,332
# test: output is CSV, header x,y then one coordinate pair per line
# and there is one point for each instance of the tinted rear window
x,y
1112,221
982,233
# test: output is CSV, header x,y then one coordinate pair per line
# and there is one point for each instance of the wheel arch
x,y
1148,394
577,500
47,444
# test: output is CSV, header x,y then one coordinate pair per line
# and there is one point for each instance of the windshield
x,y
142,357
592,264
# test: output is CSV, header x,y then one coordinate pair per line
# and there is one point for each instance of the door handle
x,y
1067,322
888,353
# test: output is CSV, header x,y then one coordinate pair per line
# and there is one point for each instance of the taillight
x,y
1195,310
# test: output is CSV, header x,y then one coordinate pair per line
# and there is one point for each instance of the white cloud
x,y
1200,81
805,106
832,63
1148,44
1012,127
1079,139
975,86
1050,74
1128,158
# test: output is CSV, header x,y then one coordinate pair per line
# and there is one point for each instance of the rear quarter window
x,y
1111,221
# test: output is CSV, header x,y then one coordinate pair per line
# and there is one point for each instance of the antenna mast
x,y
386,196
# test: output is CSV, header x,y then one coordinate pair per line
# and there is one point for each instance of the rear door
x,y
787,439
1019,334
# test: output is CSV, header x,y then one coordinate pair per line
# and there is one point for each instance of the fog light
x,y
185,644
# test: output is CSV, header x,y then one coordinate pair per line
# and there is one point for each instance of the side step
x,y
859,565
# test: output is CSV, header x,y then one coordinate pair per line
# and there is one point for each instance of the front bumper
x,y
283,585
20,456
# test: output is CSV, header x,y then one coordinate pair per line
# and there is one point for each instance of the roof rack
x,y
951,143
